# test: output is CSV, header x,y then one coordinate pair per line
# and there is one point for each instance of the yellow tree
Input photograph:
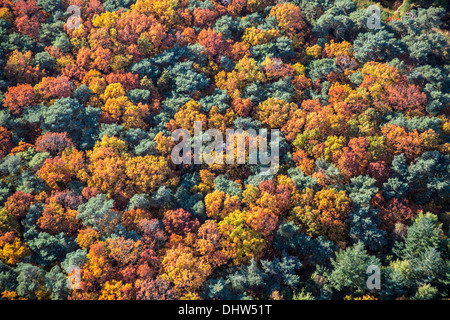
x,y
120,108
12,249
186,271
209,244
116,290
146,173
106,166
57,171
218,204
186,116
290,21
275,113
335,49
323,213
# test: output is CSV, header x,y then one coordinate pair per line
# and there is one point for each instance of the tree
x,y
53,142
398,185
274,112
49,5
113,5
319,69
402,142
209,244
18,204
98,213
262,220
406,97
425,292
18,98
248,278
186,271
290,19
217,289
106,166
335,20
324,213
355,158
54,172
394,212
55,219
185,80
147,173
242,107
131,218
222,183
363,227
241,242
281,273
219,99
95,273
58,171
155,289
101,59
258,279
162,198
56,284
218,204
364,221
432,80
212,42
336,49
29,17
12,250
180,222
88,188
6,141
422,46
228,26
128,80
46,248
376,46
139,96
44,61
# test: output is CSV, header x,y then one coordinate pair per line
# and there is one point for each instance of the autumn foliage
x,y
88,187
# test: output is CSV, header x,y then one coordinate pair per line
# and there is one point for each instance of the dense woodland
x,y
86,177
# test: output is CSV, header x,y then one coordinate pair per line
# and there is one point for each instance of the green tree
x,y
349,270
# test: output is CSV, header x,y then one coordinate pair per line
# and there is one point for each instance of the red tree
x,y
54,88
393,212
128,80
180,222
5,141
53,142
18,204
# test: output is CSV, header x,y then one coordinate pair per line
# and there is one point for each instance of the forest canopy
x,y
90,196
